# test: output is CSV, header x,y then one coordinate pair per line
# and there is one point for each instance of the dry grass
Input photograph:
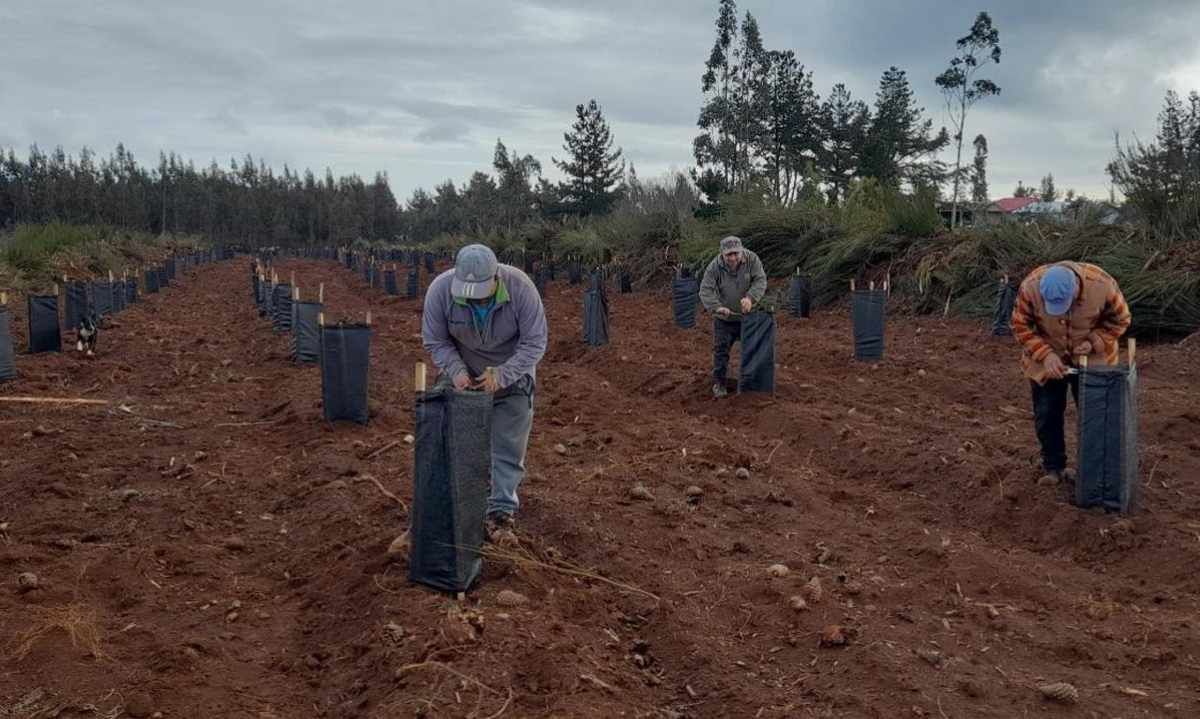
x,y
77,621
522,557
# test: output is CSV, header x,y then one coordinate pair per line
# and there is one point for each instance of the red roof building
x,y
1012,204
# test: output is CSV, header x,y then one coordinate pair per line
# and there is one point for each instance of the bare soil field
x,y
205,545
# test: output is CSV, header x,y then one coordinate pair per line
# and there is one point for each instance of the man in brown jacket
x,y
1064,311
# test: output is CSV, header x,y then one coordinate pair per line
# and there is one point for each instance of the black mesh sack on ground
x,y
626,283
1006,297
389,282
306,332
76,304
164,281
118,296
131,291
595,312
539,282
44,335
102,291
169,266
1107,439
413,289
684,297
869,312
8,363
800,296
758,353
574,273
429,267
451,479
281,308
151,282
345,358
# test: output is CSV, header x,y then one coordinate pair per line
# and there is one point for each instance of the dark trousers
x,y
725,333
1049,411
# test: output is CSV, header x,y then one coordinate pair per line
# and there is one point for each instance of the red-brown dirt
x,y
220,551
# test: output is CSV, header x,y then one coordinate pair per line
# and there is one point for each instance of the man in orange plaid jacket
x,y
1064,311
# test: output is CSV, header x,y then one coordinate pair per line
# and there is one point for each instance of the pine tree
x,y
962,89
901,141
979,184
844,122
594,170
1048,192
1022,190
792,135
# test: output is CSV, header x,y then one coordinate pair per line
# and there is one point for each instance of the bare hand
x,y
1083,348
723,313
489,381
462,380
746,305
1053,364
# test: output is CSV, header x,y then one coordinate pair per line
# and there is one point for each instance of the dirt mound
x,y
205,545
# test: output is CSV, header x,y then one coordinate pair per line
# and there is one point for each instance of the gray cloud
x,y
422,90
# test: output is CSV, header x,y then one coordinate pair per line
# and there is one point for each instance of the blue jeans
x,y
512,421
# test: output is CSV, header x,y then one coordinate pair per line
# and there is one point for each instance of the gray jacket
x,y
513,338
722,288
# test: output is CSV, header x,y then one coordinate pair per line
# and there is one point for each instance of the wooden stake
x,y
368,318
419,377
3,298
321,319
292,279
1083,363
295,293
52,400
1132,352
852,285
56,289
321,293
110,276
871,285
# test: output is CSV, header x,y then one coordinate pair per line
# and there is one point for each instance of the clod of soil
x,y
778,570
970,688
639,491
742,473
1060,692
27,582
234,544
834,635
694,492
814,591
560,449
798,604
509,598
932,657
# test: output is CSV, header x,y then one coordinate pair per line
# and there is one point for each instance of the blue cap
x,y
1057,288
475,273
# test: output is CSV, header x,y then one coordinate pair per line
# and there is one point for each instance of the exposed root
x,y
525,559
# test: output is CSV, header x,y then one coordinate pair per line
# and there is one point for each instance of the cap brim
x,y
473,290
1058,309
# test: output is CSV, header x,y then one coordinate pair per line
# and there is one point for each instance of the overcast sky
x,y
422,90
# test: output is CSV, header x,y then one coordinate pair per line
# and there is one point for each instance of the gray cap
x,y
731,244
475,273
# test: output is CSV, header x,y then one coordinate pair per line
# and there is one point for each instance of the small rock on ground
x,y
743,473
509,598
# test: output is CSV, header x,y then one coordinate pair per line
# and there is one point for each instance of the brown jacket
x,y
1099,316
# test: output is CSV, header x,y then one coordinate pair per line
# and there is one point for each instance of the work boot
x,y
499,528
719,390
1050,479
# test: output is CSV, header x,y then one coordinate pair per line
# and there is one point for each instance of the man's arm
x,y
758,280
531,322
708,288
435,333
1024,326
1115,319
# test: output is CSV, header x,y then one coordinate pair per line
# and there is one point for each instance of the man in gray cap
x,y
733,283
485,326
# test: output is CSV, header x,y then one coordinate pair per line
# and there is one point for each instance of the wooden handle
x,y
419,377
1132,352
1083,362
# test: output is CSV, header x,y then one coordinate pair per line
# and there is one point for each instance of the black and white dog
x,y
89,332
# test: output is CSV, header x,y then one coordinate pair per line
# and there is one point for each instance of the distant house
x,y
1042,211
974,213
